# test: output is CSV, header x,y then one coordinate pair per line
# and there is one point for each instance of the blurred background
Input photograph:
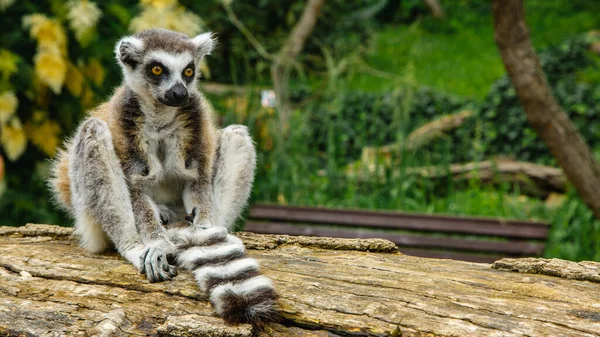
x,y
400,105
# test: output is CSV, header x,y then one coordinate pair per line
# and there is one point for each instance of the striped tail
x,y
237,290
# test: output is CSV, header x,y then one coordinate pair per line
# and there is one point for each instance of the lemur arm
x,y
154,260
198,201
200,152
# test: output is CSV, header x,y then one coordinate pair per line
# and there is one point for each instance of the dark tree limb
x,y
543,112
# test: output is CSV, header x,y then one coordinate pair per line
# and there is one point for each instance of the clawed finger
x,y
143,262
157,266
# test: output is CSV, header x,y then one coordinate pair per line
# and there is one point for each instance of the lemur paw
x,y
156,261
166,214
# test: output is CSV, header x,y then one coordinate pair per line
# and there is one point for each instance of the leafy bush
x,y
505,127
575,232
343,26
500,126
57,60
357,119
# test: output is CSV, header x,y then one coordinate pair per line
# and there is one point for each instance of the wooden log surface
x,y
328,287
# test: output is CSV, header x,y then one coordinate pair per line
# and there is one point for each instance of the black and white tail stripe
x,y
237,290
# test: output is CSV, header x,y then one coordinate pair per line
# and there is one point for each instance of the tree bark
x,y
328,288
543,112
437,11
280,69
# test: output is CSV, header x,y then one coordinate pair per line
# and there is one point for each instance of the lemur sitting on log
x,y
151,156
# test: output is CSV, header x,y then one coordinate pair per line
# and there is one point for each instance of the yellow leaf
x,y
166,14
159,4
8,63
51,69
13,139
83,16
4,4
94,71
48,32
87,99
8,105
44,136
74,80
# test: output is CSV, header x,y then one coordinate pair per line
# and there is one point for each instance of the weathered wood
x,y
50,287
516,247
584,271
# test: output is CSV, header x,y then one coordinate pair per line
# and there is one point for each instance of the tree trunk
x,y
280,69
328,288
543,112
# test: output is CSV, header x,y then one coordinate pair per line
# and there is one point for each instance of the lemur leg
x,y
218,200
100,196
234,168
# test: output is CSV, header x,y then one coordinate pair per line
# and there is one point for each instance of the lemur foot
x,y
156,260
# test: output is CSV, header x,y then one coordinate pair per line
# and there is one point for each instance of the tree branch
x,y
287,56
437,11
262,51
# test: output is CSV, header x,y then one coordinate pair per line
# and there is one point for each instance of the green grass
x,y
458,55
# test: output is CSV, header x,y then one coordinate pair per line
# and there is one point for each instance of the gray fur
x,y
125,199
152,177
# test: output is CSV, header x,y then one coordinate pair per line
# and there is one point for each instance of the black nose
x,y
176,95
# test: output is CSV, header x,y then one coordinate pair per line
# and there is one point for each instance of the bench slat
x,y
395,220
509,247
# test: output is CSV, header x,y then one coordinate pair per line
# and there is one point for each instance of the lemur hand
x,y
155,261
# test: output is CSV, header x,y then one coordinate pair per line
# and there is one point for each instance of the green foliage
x,y
575,232
343,26
271,21
418,57
458,55
504,124
364,118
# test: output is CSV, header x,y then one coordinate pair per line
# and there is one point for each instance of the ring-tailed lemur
x,y
151,156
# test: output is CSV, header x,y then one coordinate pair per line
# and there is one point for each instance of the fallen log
x,y
328,287
372,156
533,179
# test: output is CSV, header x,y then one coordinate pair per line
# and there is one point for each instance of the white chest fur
x,y
164,140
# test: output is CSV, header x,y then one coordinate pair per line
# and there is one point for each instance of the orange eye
x,y
156,70
188,72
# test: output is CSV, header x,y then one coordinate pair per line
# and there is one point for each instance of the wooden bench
x,y
459,238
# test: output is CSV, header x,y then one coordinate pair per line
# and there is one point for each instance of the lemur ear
x,y
129,51
204,43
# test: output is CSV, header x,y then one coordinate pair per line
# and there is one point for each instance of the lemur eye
x,y
188,72
156,70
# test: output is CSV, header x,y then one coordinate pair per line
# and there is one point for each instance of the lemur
x,y
151,157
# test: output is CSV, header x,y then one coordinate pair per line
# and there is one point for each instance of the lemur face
x,y
161,64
